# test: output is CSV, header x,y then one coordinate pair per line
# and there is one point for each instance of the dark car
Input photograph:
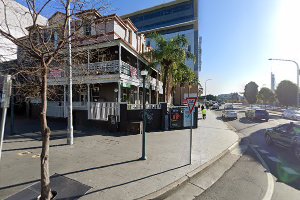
x,y
286,135
257,114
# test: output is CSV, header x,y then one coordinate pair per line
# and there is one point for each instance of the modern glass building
x,y
171,19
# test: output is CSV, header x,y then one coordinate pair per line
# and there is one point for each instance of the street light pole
x,y
297,65
70,114
205,88
144,74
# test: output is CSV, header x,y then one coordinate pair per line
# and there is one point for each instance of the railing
x,y
98,68
101,110
55,109
79,105
105,67
140,106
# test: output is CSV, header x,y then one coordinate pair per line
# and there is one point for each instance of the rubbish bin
x,y
112,123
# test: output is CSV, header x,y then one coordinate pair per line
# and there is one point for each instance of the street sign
x,y
191,101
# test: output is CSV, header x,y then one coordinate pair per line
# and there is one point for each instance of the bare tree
x,y
43,47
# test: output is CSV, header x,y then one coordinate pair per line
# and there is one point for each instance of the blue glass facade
x,y
170,19
180,13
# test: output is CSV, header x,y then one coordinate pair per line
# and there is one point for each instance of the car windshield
x,y
261,112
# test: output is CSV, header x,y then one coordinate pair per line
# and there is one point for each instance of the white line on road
x,y
290,171
255,146
263,151
270,189
274,159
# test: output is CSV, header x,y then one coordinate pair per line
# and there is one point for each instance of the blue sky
x,y
238,38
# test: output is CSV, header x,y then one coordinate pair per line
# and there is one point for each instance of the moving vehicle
x,y
215,106
291,114
228,113
257,114
286,135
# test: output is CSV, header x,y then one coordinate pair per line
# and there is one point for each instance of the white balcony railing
x,y
101,110
140,106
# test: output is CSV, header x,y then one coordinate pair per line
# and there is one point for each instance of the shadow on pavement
x,y
96,168
135,180
287,160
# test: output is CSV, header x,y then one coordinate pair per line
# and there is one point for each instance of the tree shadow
x,y
285,157
245,120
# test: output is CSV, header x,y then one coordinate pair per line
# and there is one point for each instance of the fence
x,y
140,106
101,110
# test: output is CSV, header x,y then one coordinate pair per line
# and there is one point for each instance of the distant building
x,y
17,18
170,19
272,82
230,97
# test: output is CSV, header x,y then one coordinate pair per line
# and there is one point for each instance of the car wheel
x,y
297,152
268,140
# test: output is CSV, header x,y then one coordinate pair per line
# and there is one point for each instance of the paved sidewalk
x,y
110,164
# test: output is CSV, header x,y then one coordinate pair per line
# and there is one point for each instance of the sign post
x,y
6,92
191,101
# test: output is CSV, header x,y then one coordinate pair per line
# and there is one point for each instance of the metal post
x,y
144,122
191,138
65,101
119,92
89,101
12,113
4,110
70,117
297,84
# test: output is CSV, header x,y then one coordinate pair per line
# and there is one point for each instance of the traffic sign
x,y
191,101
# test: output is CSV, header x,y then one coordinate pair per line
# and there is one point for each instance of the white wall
x,y
18,19
119,30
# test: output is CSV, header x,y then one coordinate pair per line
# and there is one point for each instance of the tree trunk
x,y
45,178
165,77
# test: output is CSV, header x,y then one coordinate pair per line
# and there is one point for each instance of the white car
x,y
291,114
229,114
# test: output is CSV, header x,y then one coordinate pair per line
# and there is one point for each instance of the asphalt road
x,y
246,180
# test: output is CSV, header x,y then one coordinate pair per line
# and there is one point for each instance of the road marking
x,y
274,159
263,151
270,189
255,146
290,171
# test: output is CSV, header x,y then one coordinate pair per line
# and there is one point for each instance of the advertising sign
x,y
187,117
176,118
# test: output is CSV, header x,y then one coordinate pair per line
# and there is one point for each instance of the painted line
x,y
270,188
263,151
290,171
255,146
274,159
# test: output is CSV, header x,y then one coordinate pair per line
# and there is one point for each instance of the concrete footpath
x,y
111,165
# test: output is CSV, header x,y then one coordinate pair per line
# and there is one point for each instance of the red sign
x,y
191,101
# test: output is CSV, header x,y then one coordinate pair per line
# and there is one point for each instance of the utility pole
x,y
70,139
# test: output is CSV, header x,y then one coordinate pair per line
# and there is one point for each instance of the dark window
x,y
130,37
87,29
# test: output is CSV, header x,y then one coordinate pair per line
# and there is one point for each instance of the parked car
x,y
291,114
257,114
215,106
228,113
286,135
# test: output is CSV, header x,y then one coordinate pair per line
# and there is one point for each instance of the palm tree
x,y
183,75
169,55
